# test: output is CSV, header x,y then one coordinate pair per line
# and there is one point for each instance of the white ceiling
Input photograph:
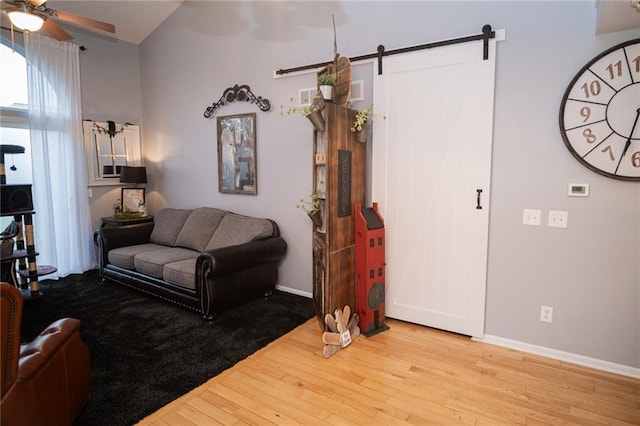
x,y
135,20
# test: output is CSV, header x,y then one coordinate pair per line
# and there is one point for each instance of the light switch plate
x,y
558,219
531,217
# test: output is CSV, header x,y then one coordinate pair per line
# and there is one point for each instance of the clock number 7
x,y
609,150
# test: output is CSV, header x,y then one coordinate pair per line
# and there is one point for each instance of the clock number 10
x,y
591,89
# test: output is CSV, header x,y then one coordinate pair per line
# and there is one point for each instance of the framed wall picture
x,y
132,199
237,154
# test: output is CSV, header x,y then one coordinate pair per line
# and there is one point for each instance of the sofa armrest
x,y
225,260
113,237
36,354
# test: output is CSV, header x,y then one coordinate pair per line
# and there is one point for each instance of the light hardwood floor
x,y
406,375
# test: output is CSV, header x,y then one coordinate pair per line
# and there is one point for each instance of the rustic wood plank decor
x,y
339,178
407,375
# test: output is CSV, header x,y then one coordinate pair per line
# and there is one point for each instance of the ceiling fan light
x,y
636,5
25,21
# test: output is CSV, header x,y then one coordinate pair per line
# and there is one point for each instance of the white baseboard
x,y
294,291
585,361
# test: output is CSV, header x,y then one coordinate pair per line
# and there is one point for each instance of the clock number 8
x,y
591,89
589,136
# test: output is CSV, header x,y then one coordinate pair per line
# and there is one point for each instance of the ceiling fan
x,y
32,15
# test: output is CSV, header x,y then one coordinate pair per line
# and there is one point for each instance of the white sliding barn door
x,y
431,154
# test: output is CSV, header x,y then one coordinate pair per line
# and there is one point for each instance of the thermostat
x,y
578,189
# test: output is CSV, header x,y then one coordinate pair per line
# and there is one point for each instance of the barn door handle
x,y
478,206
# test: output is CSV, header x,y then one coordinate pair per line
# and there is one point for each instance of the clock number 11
x,y
615,70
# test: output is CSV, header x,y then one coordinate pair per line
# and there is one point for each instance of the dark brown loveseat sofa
x,y
206,259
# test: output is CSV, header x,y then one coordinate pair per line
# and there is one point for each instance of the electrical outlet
x,y
546,313
558,219
531,217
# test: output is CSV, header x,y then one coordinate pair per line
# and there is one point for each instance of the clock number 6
x,y
635,159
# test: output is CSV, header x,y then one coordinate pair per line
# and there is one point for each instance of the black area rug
x,y
146,352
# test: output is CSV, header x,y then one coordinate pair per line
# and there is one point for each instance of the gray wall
x,y
110,81
589,272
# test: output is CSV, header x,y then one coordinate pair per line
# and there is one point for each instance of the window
x,y
109,149
14,125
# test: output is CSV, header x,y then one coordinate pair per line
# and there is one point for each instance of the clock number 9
x,y
589,136
586,113
635,159
591,89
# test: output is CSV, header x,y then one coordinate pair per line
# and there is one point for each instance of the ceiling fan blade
x,y
56,30
82,20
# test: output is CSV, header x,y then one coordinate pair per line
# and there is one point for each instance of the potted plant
x,y
325,84
312,208
312,112
361,123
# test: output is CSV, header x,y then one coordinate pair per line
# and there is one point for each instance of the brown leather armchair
x,y
45,382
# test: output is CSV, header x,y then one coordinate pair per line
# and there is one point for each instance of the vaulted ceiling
x,y
135,20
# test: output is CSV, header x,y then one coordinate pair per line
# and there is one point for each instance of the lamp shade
x,y
133,174
25,21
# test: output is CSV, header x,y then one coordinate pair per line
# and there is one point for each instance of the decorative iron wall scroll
x,y
238,93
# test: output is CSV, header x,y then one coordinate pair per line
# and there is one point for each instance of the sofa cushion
x,y
182,273
199,227
152,262
167,226
236,229
123,256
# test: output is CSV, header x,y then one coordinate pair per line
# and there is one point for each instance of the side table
x,y
114,221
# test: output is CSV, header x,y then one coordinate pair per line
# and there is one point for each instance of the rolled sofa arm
x,y
54,377
229,275
226,260
37,353
110,238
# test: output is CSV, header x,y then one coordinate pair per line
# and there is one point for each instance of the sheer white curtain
x,y
62,223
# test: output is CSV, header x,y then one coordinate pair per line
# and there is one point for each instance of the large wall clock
x,y
600,113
